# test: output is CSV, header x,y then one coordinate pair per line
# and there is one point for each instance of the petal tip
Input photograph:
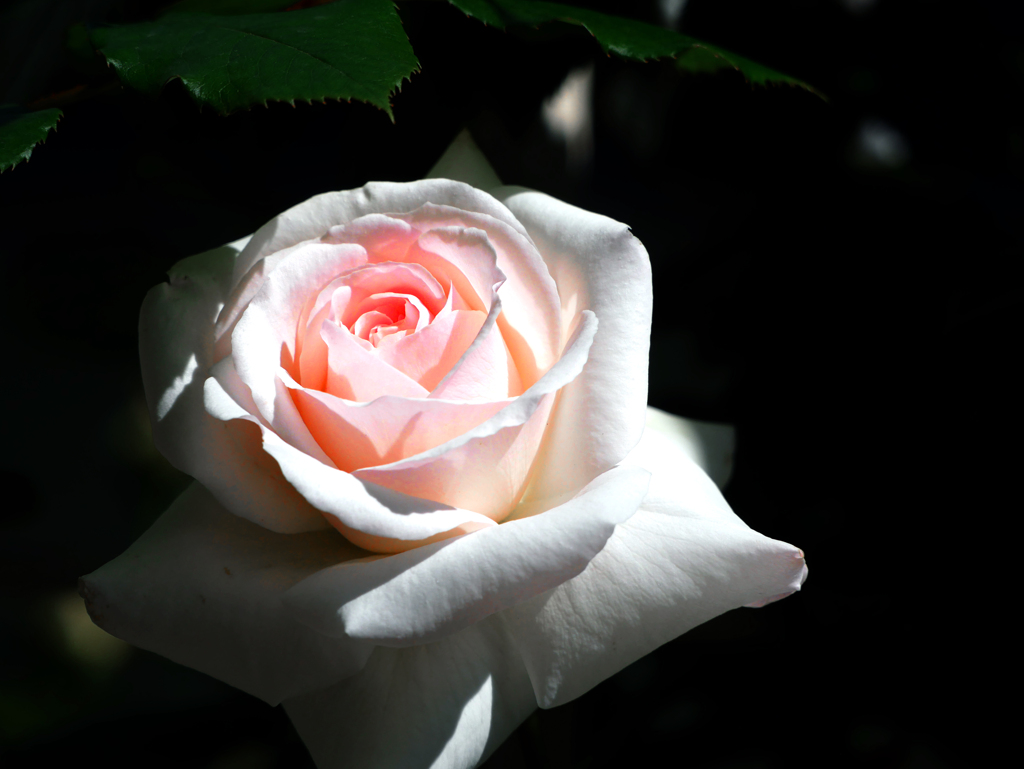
x,y
797,581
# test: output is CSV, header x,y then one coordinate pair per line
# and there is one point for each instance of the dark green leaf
x,y
484,10
21,131
227,7
698,56
351,49
626,37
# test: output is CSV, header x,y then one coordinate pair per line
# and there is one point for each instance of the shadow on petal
x,y
453,703
203,587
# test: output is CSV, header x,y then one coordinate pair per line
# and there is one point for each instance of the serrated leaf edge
x,y
717,52
200,102
27,154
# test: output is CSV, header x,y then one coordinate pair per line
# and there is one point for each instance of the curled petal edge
x,y
522,408
362,505
434,591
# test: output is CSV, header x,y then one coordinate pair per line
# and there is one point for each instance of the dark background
x,y
847,308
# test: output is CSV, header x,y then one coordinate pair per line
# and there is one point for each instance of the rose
x,y
400,395
612,540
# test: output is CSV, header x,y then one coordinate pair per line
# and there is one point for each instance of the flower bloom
x,y
426,500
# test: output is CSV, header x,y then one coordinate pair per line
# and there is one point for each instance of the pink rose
x,y
455,380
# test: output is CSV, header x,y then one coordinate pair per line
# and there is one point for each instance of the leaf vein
x,y
323,61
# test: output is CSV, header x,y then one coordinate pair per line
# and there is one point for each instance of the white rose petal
x,y
204,587
443,705
425,594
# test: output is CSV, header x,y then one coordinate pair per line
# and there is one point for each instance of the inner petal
x,y
356,373
387,429
387,278
427,356
531,313
472,259
336,296
313,355
368,323
462,258
386,335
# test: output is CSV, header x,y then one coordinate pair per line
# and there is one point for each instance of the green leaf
x,y
21,131
704,57
628,38
226,7
351,49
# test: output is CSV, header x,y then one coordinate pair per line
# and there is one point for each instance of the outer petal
x,y
176,349
315,216
709,444
445,705
598,265
436,590
658,577
681,453
364,506
486,468
674,450
176,341
265,337
682,559
204,587
238,472
373,517
243,290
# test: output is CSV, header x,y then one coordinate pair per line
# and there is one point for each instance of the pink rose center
x,y
389,317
